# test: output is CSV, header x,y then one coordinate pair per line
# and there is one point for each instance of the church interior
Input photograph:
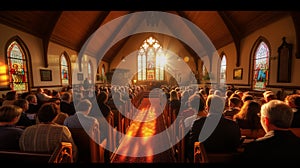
x,y
143,54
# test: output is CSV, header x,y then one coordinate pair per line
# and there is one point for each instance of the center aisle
x,y
138,145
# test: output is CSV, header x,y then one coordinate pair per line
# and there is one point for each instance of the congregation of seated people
x,y
237,121
38,121
227,112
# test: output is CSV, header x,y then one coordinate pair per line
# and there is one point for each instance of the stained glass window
x,y
261,67
64,70
223,69
151,60
103,70
89,70
17,67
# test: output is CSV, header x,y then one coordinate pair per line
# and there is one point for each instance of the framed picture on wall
x,y
80,76
46,74
238,74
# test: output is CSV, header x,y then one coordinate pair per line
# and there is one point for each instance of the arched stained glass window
x,y
261,67
17,67
103,70
89,70
205,74
64,70
223,69
103,73
151,60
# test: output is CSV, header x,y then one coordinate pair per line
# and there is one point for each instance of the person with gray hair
x,y
217,133
81,119
279,145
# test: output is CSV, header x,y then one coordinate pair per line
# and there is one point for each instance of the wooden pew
x,y
252,134
296,131
201,156
62,154
89,151
181,144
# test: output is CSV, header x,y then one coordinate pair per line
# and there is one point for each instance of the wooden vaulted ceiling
x,y
73,28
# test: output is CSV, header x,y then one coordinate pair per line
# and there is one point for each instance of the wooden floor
x,y
146,138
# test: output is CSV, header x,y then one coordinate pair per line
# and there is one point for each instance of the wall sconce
x,y
186,59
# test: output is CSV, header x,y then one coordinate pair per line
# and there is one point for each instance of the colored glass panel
x,y
149,68
64,71
223,70
17,67
261,67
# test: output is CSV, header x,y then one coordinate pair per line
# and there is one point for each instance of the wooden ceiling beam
x,y
191,52
296,19
47,36
234,33
109,58
113,35
93,28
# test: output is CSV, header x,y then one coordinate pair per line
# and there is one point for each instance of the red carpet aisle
x,y
148,122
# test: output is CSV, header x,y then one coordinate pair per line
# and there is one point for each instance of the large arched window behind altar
x,y
17,67
151,60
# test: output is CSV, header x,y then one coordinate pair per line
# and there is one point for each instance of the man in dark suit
x,y
66,104
217,133
279,145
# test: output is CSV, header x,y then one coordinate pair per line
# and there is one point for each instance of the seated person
x,y
10,97
268,96
102,113
81,119
235,104
41,96
66,104
247,97
249,121
46,135
9,133
197,106
60,116
24,120
217,133
33,106
294,102
279,145
248,116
